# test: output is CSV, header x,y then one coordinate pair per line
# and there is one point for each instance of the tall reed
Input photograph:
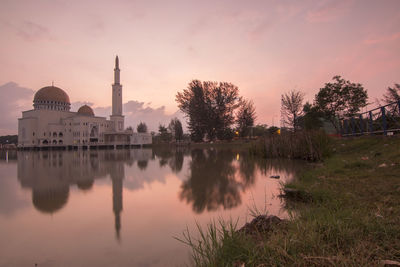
x,y
306,145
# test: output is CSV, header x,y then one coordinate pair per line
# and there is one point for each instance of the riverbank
x,y
347,213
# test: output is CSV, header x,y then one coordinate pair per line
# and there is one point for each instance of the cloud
x,y
30,31
328,10
382,39
136,112
14,99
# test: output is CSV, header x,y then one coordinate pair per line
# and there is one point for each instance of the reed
x,y
305,145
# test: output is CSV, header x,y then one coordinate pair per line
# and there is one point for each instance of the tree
x,y
175,127
142,127
312,118
209,106
392,94
260,130
245,117
165,136
291,108
340,98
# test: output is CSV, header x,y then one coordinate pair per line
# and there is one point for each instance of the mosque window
x,y
33,134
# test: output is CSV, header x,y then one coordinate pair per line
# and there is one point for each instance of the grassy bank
x,y
349,214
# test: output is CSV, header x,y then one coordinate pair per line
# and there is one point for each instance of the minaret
x,y
117,100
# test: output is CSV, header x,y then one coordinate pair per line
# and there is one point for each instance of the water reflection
x,y
121,202
213,178
50,174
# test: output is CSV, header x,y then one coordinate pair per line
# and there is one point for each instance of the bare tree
x,y
292,108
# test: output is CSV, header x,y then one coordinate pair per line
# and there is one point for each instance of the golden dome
x,y
86,110
51,93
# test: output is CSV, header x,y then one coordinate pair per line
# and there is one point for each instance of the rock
x,y
275,176
260,224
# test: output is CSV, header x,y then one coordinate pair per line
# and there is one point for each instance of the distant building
x,y
52,124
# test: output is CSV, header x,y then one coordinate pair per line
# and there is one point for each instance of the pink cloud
x,y
382,39
328,10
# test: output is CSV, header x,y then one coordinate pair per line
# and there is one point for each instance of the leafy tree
x,y
165,136
175,127
312,118
340,98
291,108
209,106
9,139
245,117
392,94
260,130
192,102
142,127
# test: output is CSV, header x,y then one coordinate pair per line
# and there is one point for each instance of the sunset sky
x,y
264,47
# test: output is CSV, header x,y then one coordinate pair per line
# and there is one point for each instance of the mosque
x,y
52,124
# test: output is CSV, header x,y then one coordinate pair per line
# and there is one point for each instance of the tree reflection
x,y
173,156
212,182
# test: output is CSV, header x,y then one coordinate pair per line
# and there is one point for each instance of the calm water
x,y
123,207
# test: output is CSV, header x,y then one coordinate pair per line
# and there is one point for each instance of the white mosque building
x,y
52,124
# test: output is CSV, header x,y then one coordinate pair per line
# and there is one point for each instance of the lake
x,y
124,207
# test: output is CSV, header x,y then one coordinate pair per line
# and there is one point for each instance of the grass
x,y
306,145
351,218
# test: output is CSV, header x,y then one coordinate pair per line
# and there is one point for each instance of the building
x,y
51,123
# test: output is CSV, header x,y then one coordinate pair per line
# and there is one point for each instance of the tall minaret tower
x,y
116,116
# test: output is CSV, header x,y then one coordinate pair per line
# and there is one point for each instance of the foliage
x,y
312,117
245,117
175,127
260,130
305,145
142,127
392,94
352,218
340,98
163,133
291,108
9,139
209,107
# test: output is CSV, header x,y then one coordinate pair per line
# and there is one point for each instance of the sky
x,y
266,48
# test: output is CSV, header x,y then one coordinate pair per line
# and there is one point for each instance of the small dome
x,y
86,110
51,93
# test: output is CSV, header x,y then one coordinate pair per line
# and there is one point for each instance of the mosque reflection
x,y
49,174
211,178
